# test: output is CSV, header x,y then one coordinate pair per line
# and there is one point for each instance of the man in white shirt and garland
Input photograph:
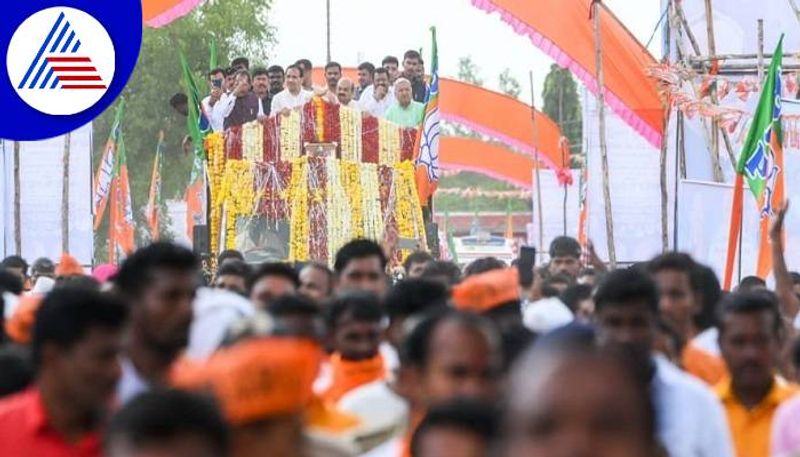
x,y
293,96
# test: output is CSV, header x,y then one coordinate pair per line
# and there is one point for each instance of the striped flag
x,y
105,172
761,164
122,223
154,200
427,160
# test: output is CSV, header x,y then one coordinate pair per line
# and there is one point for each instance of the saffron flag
x,y
154,200
761,164
102,180
195,198
427,161
121,227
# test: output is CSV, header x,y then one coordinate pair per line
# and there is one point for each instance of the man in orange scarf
x,y
355,328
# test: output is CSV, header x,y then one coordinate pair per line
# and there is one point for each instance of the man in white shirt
x,y
216,79
293,96
377,101
344,93
690,420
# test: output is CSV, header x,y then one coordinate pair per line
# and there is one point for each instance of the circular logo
x,y
60,61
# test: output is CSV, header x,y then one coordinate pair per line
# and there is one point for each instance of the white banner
x,y
41,185
635,188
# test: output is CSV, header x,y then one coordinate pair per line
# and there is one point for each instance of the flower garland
x,y
233,143
407,215
317,210
290,136
369,139
271,139
388,143
353,191
297,198
215,147
253,139
307,122
371,202
408,139
332,128
350,127
319,119
238,196
340,226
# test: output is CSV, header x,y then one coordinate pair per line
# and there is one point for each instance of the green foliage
x,y
468,71
239,27
509,84
562,105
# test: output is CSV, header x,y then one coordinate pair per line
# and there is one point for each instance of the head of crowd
x,y
551,355
395,89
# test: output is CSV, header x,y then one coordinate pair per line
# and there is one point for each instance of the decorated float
x,y
297,187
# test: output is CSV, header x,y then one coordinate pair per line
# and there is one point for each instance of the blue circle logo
x,y
65,64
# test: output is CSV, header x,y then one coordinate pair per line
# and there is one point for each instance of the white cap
x,y
546,314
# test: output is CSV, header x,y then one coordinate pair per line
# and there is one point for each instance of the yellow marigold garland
x,y
239,196
339,224
408,212
388,143
351,126
351,182
319,119
371,198
290,136
215,147
253,141
298,202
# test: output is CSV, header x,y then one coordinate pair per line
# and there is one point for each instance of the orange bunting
x,y
483,292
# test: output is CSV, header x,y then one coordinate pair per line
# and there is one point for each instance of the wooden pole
x,y
65,195
601,113
760,50
663,161
328,23
796,10
709,135
712,49
540,247
17,203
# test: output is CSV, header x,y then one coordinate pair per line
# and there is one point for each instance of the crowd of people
x,y
153,359
239,94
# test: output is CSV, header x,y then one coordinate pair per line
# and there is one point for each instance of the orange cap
x,y
20,325
69,266
257,379
482,292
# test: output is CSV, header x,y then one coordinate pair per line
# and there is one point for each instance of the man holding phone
x,y
216,80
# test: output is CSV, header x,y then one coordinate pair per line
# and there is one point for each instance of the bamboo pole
x,y
540,247
663,159
760,50
796,10
65,194
712,58
712,50
17,203
612,255
708,134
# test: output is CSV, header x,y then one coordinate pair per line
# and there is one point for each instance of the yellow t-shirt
x,y
751,428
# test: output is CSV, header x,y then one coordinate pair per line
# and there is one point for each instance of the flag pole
x,y
540,247
17,202
601,114
65,194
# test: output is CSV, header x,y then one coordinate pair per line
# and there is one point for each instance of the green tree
x,y
239,27
509,85
468,71
562,104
